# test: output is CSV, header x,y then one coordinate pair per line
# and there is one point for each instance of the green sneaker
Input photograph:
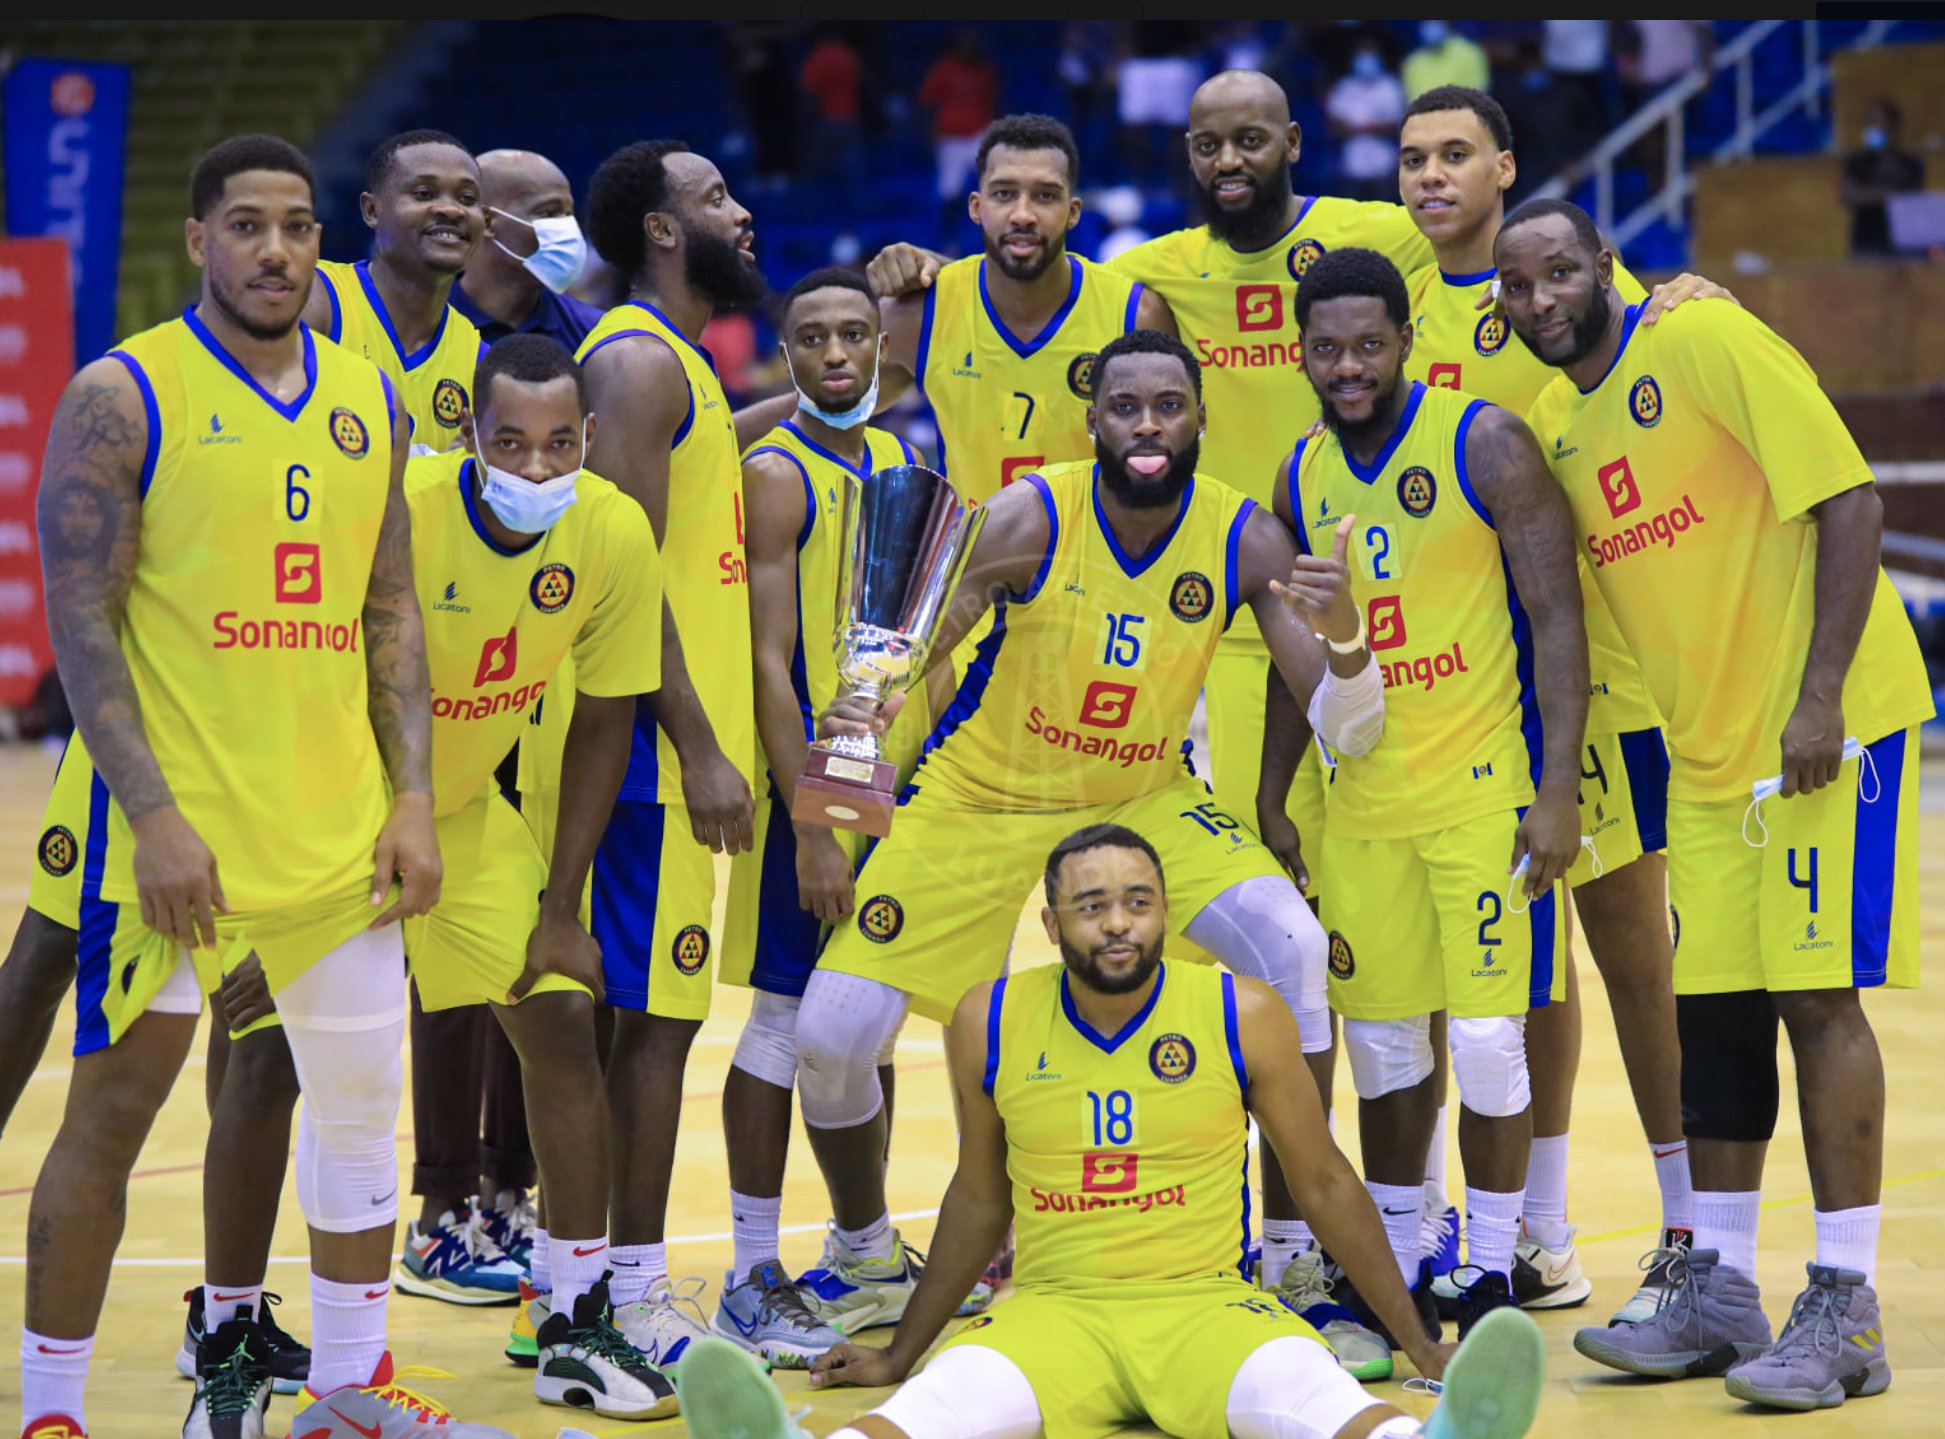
x,y
727,1394
1491,1388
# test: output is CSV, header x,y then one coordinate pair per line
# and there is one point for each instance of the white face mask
x,y
1516,900
560,250
1769,788
849,419
521,504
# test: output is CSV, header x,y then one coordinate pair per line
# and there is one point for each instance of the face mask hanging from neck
x,y
519,503
849,419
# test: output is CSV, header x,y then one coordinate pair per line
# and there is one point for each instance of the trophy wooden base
x,y
843,792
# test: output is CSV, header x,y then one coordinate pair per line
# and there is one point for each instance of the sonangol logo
x,y
499,657
299,574
691,948
552,588
1259,307
881,918
1172,1058
1117,1172
1384,622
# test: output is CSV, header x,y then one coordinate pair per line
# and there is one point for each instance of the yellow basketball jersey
x,y
1457,346
1128,1153
1082,690
1691,467
1461,723
243,628
498,622
813,666
1006,405
434,382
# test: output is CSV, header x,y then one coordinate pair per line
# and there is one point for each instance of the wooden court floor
x,y
135,1390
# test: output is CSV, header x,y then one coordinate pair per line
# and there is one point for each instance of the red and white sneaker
x,y
54,1426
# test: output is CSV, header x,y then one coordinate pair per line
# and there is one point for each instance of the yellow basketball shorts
x,y
54,891
1623,801
472,946
540,809
770,942
938,897
1433,922
1830,901
1166,1353
1232,704
653,902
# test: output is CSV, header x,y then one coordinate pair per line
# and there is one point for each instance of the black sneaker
x,y
290,1361
1480,1292
587,1363
1345,1293
232,1384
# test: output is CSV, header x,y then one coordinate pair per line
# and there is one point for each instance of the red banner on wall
x,y
36,361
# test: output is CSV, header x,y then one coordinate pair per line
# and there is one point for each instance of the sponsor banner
x,y
36,358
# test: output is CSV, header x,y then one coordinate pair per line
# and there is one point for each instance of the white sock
x,y
1399,1426
1847,1239
874,1241
53,1374
1545,1207
636,1267
224,1302
347,1333
847,1432
1677,1194
1492,1228
1725,1221
1283,1241
1436,1202
581,1264
540,1264
753,1222
1398,1207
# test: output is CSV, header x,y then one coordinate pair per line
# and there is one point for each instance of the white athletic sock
x,y
1436,1202
1283,1241
753,1225
347,1333
1492,1228
1398,1207
636,1267
1399,1426
224,1302
1677,1194
874,1241
1847,1238
540,1264
53,1374
847,1432
1725,1221
581,1264
1545,1206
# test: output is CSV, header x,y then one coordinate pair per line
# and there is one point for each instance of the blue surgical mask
x,y
1367,64
522,505
560,250
836,419
1433,33
1875,138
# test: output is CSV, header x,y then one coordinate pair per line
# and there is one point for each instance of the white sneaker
x,y
1548,1278
1305,1288
1658,1279
854,1293
659,1326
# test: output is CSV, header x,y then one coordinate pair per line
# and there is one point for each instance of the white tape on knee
x,y
1388,1055
1489,1064
843,1025
767,1048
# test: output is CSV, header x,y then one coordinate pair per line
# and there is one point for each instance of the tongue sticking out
x,y
1148,464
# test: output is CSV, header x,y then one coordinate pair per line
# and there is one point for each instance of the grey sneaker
x,y
383,1409
1646,1300
1709,1318
1831,1349
766,1313
726,1395
1306,1288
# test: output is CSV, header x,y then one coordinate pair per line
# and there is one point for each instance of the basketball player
x,y
1108,592
517,281
1733,528
796,879
205,636
422,204
1465,570
1105,1107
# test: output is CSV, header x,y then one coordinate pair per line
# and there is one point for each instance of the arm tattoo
x,y
400,698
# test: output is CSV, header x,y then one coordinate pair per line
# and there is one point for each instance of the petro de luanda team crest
x,y
1644,402
1172,1058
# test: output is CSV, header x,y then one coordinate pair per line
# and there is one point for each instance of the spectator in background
x,y
961,91
1237,45
1121,207
1158,76
833,82
1365,109
1085,67
1576,54
1444,57
1542,116
1652,55
730,341
768,92
1881,168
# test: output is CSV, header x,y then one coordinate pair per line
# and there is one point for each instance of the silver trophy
x,y
907,535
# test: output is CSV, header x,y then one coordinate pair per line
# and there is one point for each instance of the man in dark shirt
x,y
533,251
1874,173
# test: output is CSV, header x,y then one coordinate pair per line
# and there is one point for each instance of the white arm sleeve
x,y
1348,714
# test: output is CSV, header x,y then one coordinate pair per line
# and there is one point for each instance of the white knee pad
x,y
767,1048
967,1392
1262,928
1291,1388
1388,1055
843,1026
1489,1064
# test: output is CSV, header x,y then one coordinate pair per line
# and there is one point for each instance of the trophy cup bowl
x,y
906,536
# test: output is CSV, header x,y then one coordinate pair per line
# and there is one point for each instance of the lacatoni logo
x,y
1125,753
1662,529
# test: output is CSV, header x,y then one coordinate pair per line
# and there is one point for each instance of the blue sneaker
x,y
850,1292
457,1261
513,1228
768,1315
1441,1241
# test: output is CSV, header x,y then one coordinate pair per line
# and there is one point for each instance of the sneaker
x,y
290,1361
1440,1241
1346,1294
1647,1299
514,1229
1305,1288
1480,1292
768,1314
587,1363
457,1261
1832,1348
665,1323
523,1345
59,1426
854,1293
1491,1388
383,1409
1548,1278
1709,1318
232,1384
987,1287
726,1395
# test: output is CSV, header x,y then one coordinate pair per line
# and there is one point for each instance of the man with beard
x,y
422,204
1105,1107
664,217
1733,528
1109,585
1466,571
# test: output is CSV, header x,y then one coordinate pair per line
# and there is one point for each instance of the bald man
x,y
518,279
